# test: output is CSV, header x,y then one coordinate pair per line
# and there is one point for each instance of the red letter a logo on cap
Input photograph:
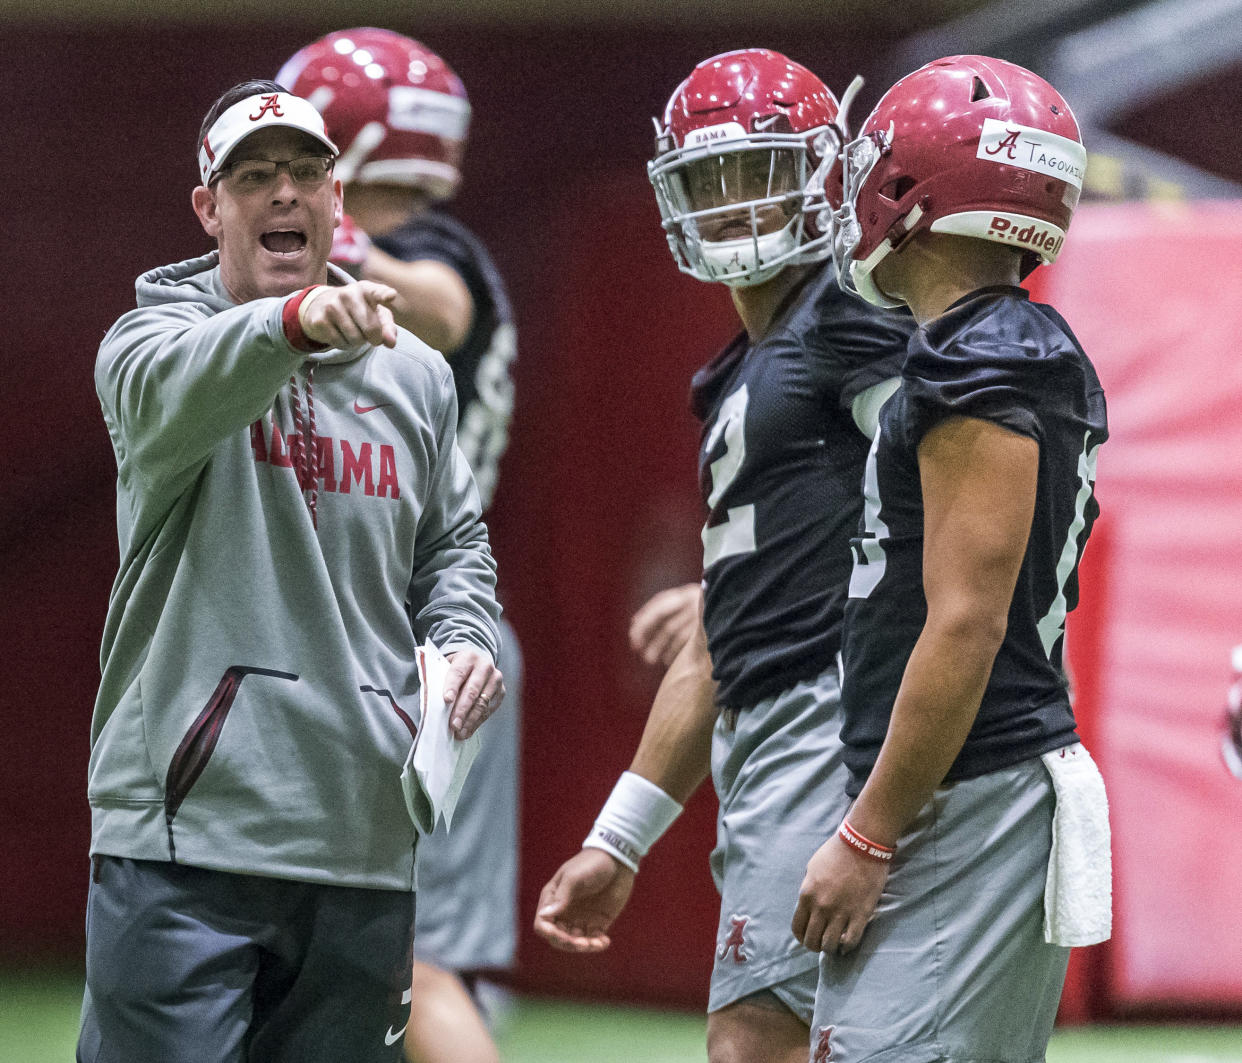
x,y
270,103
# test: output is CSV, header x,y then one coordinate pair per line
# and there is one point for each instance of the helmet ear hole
x,y
896,190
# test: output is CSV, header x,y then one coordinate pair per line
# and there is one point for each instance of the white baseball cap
x,y
261,111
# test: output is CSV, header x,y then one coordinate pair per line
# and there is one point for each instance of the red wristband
x,y
292,325
871,850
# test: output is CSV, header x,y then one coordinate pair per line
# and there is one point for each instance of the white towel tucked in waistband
x,y
1078,896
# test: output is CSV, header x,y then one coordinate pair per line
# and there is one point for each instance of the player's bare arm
x,y
978,482
581,901
666,622
350,315
675,750
432,300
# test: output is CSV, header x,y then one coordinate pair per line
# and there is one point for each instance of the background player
x,y
958,731
401,116
780,465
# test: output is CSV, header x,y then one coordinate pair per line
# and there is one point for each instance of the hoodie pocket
x,y
200,741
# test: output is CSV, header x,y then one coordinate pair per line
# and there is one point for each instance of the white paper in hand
x,y
436,768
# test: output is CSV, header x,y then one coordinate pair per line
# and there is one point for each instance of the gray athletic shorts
x,y
195,966
954,967
780,779
467,878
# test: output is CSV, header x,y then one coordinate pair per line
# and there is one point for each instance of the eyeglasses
x,y
258,175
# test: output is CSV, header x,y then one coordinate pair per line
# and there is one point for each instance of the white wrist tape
x,y
315,292
636,813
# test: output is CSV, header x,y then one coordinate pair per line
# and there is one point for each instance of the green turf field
x,y
549,1032
38,1024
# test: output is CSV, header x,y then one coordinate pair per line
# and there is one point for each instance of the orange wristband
x,y
868,848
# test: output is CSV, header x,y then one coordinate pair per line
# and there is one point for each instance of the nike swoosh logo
x,y
763,123
359,408
391,1038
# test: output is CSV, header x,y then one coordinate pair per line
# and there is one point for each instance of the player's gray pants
x,y
953,968
780,778
186,965
467,879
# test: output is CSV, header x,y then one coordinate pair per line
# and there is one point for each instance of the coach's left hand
x,y
473,691
837,898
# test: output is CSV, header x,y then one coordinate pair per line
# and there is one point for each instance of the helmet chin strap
x,y
860,279
861,272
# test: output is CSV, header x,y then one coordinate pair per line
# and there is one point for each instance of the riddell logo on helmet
x,y
1036,237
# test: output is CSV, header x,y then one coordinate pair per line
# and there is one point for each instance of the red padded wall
x,y
1155,295
614,517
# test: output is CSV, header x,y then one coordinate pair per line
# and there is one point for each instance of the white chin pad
x,y
736,259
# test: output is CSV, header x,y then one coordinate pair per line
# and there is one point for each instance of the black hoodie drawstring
x,y
306,460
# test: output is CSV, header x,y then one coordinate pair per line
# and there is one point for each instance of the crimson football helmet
x,y
397,111
741,159
967,145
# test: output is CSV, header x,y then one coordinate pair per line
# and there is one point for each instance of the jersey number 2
x,y
736,533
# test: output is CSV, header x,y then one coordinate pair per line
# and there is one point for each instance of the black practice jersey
x,y
780,466
481,365
998,357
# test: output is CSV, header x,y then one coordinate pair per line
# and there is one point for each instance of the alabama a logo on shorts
x,y
823,1045
735,940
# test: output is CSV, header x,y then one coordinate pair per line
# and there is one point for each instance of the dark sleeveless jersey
x,y
780,465
998,357
481,365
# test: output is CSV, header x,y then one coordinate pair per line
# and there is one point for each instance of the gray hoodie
x,y
259,691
